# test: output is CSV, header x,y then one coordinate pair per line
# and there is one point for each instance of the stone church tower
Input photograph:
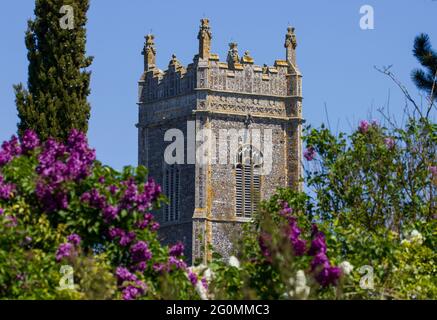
x,y
200,108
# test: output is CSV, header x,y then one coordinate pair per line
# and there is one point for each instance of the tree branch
x,y
386,71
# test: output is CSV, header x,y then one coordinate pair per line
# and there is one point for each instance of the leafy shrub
x,y
59,206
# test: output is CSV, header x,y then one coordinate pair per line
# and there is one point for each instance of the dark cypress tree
x,y
58,82
425,79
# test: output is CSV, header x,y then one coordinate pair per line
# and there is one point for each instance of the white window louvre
x,y
248,182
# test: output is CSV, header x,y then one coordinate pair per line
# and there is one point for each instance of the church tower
x,y
219,137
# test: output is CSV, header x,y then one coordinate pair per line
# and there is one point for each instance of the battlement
x,y
236,74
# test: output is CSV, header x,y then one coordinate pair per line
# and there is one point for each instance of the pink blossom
x,y
309,154
364,126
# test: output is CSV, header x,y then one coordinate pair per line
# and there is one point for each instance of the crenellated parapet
x,y
237,74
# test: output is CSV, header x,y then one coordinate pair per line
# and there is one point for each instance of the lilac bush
x,y
70,205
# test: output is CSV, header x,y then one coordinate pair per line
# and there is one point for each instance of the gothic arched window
x,y
248,181
172,191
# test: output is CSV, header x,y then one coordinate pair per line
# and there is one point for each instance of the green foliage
x,y
377,177
58,84
372,193
31,236
425,80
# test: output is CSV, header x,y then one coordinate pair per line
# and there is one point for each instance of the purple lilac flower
x,y
74,239
4,158
143,224
115,232
364,126
177,250
159,267
85,197
140,252
179,264
155,226
328,276
29,141
310,153
389,143
9,150
130,293
142,200
325,273
204,283
78,144
64,251
263,241
50,167
6,189
96,200
320,261
130,194
12,221
299,245
124,274
286,210
58,163
433,170
113,189
20,277
110,213
141,267
193,278
1,211
101,180
127,238
318,244
150,193
27,240
51,199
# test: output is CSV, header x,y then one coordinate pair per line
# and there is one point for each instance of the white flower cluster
x,y
201,290
346,267
415,237
234,262
203,272
301,290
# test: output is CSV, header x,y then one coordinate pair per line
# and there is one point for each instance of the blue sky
x,y
335,56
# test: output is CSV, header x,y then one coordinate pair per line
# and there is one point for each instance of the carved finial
x,y
265,68
204,37
149,52
233,57
290,45
290,38
174,62
247,58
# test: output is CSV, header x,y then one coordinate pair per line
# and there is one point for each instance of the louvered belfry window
x,y
248,181
172,191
